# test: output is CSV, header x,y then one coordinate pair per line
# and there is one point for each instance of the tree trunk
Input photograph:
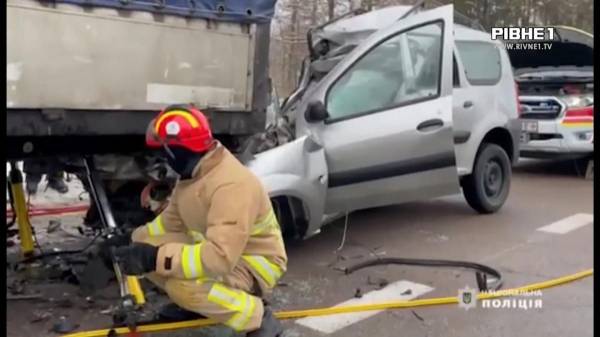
x,y
313,13
527,9
485,14
355,4
293,37
330,8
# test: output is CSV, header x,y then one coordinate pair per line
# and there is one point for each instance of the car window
x,y
401,69
481,61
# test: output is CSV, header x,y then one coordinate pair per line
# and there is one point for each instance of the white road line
x,y
392,292
568,224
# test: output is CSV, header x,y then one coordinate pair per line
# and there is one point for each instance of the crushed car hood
x,y
334,40
572,50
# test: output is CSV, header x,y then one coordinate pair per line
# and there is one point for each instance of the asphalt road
x,y
542,193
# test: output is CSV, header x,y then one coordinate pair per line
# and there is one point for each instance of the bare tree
x,y
330,9
294,18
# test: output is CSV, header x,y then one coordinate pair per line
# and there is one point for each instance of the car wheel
x,y
486,188
581,165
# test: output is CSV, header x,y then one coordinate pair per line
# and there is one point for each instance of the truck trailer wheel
x,y
487,187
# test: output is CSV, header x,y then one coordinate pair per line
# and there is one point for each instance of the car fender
x,y
469,149
296,169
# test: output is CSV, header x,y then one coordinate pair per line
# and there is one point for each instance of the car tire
x,y
581,165
487,187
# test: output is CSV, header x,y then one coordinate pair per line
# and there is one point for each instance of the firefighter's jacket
x,y
227,211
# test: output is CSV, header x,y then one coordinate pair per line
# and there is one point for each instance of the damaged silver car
x,y
394,105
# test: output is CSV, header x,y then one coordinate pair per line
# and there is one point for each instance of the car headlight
x,y
578,101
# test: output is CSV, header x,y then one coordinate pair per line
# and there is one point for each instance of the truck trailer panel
x,y
73,58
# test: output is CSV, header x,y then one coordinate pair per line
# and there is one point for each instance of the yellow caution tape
x,y
345,309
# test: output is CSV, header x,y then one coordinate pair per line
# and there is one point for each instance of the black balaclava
x,y
183,161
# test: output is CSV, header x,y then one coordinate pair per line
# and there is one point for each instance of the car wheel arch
x,y
498,135
292,214
501,137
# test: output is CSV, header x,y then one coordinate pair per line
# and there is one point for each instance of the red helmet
x,y
183,126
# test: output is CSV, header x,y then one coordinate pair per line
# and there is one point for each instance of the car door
x,y
388,131
463,97
476,98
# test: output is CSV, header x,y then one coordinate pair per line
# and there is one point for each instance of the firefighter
x,y
217,248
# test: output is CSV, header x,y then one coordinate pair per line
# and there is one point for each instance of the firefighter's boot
x,y
173,313
32,180
270,326
56,181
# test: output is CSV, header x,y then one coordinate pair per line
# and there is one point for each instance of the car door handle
x,y
430,124
467,104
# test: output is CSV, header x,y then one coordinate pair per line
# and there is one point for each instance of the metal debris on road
x,y
108,311
407,292
64,303
417,316
17,287
23,297
40,316
53,226
64,326
379,282
344,234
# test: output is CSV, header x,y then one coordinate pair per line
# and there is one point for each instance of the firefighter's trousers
x,y
228,301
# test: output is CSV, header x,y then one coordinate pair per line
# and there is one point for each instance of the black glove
x,y
136,258
118,240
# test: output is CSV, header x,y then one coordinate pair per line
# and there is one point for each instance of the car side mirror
x,y
316,112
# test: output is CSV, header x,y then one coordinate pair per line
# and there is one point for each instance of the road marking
x,y
392,292
568,224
